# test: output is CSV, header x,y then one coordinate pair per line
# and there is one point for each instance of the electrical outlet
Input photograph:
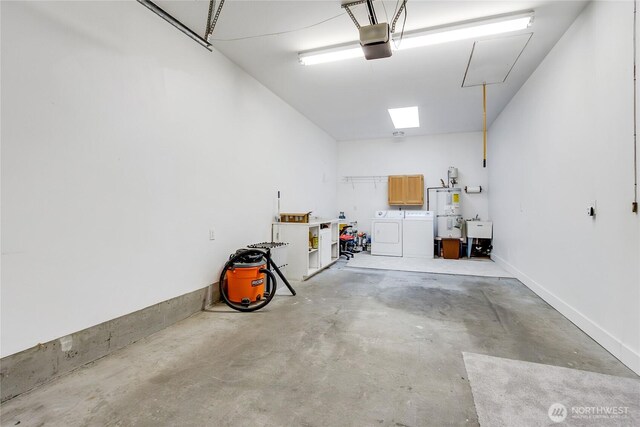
x,y
212,234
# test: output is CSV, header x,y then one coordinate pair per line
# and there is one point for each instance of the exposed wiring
x,y
404,22
386,15
278,33
395,8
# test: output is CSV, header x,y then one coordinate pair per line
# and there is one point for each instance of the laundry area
x,y
319,213
436,240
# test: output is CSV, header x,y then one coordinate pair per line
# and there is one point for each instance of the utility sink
x,y
479,229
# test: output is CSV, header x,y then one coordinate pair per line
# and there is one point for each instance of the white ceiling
x,y
349,99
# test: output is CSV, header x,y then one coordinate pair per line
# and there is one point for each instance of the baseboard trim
x,y
617,348
21,372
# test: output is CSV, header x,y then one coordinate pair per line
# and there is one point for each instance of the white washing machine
x,y
386,233
417,234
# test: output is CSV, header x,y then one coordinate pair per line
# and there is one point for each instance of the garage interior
x,y
145,143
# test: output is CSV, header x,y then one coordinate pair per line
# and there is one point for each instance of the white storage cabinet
x,y
303,260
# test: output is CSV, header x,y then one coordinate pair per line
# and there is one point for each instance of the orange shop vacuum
x,y
247,282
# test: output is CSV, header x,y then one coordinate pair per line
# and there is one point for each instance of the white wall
x,y
563,141
428,155
123,143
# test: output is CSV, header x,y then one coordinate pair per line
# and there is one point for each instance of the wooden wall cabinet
x,y
407,190
415,190
397,184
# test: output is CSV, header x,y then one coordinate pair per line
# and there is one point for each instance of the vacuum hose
x,y
271,285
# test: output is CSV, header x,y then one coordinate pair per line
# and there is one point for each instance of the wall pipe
x,y
484,125
634,205
431,188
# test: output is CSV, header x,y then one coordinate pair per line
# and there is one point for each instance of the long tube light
x,y
331,54
426,37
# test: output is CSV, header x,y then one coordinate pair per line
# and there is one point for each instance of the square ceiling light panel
x,y
492,60
404,118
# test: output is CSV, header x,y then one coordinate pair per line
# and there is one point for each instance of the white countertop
x,y
313,222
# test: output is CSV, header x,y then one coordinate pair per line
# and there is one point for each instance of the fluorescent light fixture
x,y
331,55
430,38
427,37
404,118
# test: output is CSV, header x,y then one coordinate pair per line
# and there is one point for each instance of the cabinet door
x,y
397,186
325,247
415,190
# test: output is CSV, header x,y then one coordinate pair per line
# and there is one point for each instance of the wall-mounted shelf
x,y
365,179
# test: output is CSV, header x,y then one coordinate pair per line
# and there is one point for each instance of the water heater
x,y
448,213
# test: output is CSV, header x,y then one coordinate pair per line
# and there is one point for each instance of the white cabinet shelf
x,y
303,260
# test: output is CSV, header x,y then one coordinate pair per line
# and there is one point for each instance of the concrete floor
x,y
353,348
